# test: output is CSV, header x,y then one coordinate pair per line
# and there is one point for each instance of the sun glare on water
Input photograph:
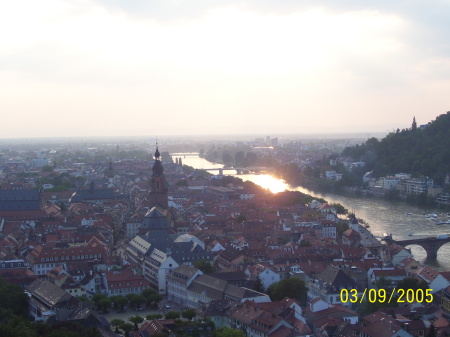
x,y
268,182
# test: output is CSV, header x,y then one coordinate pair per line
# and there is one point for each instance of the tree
x,y
250,159
290,287
239,158
305,243
432,332
181,183
104,303
383,283
228,332
120,302
154,299
127,327
147,292
83,298
47,168
414,124
154,316
116,323
259,286
129,297
205,266
138,300
13,299
412,283
241,218
172,315
227,158
368,307
339,208
189,314
97,298
136,320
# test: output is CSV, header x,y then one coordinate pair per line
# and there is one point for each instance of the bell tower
x,y
158,193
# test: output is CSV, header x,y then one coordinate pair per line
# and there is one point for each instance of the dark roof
x,y
230,275
94,194
336,278
154,220
217,308
179,251
17,200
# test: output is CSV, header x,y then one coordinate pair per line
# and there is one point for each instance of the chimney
x,y
407,327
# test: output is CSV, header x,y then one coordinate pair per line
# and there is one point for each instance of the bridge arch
x,y
417,251
431,244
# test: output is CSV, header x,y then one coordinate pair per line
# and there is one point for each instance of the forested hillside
x,y
419,151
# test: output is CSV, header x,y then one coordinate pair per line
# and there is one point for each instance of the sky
x,y
187,67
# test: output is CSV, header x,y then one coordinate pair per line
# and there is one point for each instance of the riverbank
x,y
320,185
382,216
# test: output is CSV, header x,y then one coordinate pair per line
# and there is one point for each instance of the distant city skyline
x,y
96,68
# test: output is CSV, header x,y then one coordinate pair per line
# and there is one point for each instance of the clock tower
x,y
158,193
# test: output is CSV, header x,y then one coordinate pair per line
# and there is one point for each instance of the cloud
x,y
238,65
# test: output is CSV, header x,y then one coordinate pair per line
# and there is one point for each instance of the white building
x,y
157,266
178,280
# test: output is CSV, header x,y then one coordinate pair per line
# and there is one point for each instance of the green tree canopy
x,y
172,315
116,323
189,314
228,332
13,299
136,320
205,266
154,316
290,287
412,283
126,327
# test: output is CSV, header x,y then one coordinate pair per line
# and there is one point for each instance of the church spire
x,y
158,193
157,154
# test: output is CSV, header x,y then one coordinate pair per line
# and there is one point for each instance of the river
x,y
383,217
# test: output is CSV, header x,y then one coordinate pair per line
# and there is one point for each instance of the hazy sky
x,y
164,67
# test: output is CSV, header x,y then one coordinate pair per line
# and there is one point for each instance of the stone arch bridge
x,y
430,244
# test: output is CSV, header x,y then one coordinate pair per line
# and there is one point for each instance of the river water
x,y
399,219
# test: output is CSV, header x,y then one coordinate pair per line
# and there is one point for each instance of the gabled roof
x,y
48,293
183,271
155,219
211,286
335,277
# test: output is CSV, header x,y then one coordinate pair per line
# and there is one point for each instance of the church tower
x,y
158,193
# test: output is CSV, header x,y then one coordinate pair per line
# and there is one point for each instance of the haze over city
x,y
110,68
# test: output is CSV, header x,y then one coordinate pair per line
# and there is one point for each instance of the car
x,y
167,306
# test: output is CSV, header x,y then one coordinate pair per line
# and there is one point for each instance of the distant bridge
x,y
240,169
430,244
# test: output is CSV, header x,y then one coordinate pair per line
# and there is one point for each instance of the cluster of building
x,y
133,226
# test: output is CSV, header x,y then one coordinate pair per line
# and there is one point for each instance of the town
x,y
92,234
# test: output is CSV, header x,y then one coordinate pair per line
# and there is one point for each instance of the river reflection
x,y
403,221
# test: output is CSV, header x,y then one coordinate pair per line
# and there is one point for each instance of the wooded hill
x,y
421,150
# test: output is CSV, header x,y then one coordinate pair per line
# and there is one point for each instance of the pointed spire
x,y
157,154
